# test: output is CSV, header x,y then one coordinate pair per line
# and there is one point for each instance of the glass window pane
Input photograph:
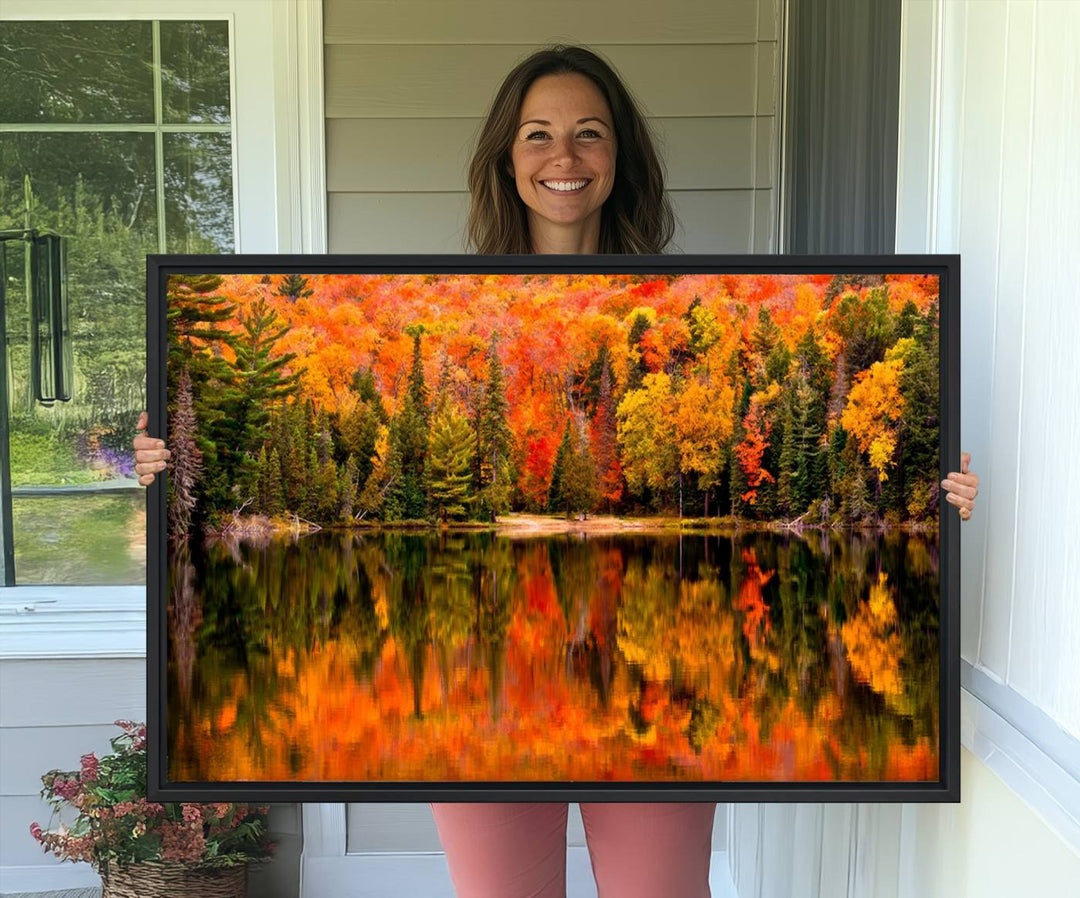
x,y
97,190
81,540
198,193
195,71
76,72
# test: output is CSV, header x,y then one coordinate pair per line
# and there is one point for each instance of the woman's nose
x,y
564,149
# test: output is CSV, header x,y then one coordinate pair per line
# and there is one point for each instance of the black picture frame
x,y
945,789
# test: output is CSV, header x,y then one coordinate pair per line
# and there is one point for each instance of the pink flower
x,y
89,768
181,842
65,788
123,808
150,808
192,813
36,832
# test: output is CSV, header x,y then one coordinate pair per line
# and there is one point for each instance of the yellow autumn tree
x,y
646,435
874,408
703,425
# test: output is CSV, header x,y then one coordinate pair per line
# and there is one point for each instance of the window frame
x,y
283,149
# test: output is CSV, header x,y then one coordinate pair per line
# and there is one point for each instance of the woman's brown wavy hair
x,y
636,218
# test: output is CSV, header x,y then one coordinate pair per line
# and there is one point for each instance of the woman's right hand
x,y
150,454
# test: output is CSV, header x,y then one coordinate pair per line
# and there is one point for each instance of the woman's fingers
x,y
150,453
960,501
966,485
965,460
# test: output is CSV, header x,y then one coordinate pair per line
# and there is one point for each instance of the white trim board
x,y
1024,766
38,622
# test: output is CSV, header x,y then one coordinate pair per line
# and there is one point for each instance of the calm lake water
x,y
566,657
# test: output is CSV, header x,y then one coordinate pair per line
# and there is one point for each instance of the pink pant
x,y
519,850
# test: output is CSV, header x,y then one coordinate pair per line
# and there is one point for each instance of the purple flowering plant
x,y
116,824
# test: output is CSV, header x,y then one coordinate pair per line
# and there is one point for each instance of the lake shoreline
x,y
524,524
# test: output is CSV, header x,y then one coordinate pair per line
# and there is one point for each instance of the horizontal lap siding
x,y
53,712
408,83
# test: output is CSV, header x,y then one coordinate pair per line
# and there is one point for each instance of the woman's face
x,y
563,154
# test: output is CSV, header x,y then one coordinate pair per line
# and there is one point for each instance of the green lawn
x,y
81,539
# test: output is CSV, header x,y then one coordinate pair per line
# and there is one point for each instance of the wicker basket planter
x,y
174,881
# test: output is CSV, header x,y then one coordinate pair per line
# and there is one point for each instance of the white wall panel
x,y
1045,632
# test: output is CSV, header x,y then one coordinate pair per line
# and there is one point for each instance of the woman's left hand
x,y
962,487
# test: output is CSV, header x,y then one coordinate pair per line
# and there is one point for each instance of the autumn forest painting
x,y
552,528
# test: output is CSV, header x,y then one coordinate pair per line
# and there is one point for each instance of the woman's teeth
x,y
564,186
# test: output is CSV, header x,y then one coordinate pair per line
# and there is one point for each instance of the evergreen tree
x,y
364,386
817,372
449,463
446,379
919,427
636,369
866,327
764,339
406,498
296,470
579,491
496,440
766,333
327,495
739,485
417,387
262,374
313,498
186,466
196,344
788,472
604,440
348,488
271,494
293,287
556,501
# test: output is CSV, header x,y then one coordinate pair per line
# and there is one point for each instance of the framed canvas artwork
x,y
474,528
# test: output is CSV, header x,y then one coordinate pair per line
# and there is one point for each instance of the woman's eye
x,y
589,132
533,134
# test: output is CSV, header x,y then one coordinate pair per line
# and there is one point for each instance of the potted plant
x,y
141,847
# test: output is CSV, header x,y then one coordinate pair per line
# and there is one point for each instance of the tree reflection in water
x,y
474,656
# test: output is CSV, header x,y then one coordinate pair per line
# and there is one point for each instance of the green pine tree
x,y
293,287
406,499
556,500
449,463
496,440
580,490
